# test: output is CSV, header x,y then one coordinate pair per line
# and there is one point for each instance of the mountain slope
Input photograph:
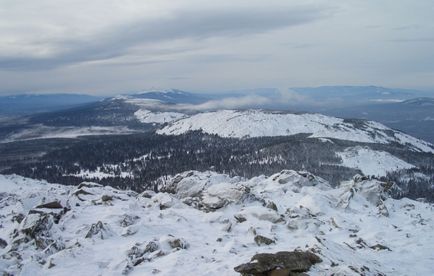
x,y
208,223
256,123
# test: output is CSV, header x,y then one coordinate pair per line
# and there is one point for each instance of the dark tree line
x,y
168,155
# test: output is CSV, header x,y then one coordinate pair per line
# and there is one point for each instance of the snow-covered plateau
x,y
205,223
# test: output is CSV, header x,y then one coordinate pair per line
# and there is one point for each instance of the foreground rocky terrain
x,y
198,223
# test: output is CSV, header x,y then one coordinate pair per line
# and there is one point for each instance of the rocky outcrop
x,y
280,263
147,252
298,179
373,191
37,229
210,195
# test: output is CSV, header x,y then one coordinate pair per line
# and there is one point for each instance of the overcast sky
x,y
110,47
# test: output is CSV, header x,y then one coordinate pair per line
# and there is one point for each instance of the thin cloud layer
x,y
117,40
109,47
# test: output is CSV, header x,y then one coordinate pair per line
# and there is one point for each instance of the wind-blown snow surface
x,y
372,162
205,224
257,123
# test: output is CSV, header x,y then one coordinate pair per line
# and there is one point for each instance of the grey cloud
x,y
201,24
416,39
406,27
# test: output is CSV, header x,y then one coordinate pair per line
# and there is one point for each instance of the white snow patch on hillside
x,y
45,132
100,174
170,233
257,123
147,116
371,162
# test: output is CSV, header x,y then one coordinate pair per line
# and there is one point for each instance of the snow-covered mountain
x,y
205,223
257,123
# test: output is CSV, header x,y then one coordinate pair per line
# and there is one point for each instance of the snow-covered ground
x,y
371,162
204,223
257,123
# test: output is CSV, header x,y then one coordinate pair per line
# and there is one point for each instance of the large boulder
x,y
206,191
37,229
280,263
298,179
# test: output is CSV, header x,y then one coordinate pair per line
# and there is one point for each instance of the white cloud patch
x,y
227,103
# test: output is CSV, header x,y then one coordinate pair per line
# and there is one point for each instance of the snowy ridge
x,y
257,123
205,223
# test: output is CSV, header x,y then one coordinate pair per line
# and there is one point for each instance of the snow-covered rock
x,y
104,231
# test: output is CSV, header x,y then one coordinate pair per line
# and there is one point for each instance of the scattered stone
x,y
227,227
50,205
89,185
3,243
130,230
178,244
128,220
81,192
106,198
151,247
18,218
261,240
98,229
292,225
271,205
380,247
147,194
240,218
139,254
36,228
280,263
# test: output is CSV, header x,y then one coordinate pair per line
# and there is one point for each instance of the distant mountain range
x,y
132,140
35,103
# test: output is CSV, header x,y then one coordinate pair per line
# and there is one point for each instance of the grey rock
x,y
261,240
50,205
240,218
271,205
284,262
3,243
178,244
98,229
128,220
106,198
